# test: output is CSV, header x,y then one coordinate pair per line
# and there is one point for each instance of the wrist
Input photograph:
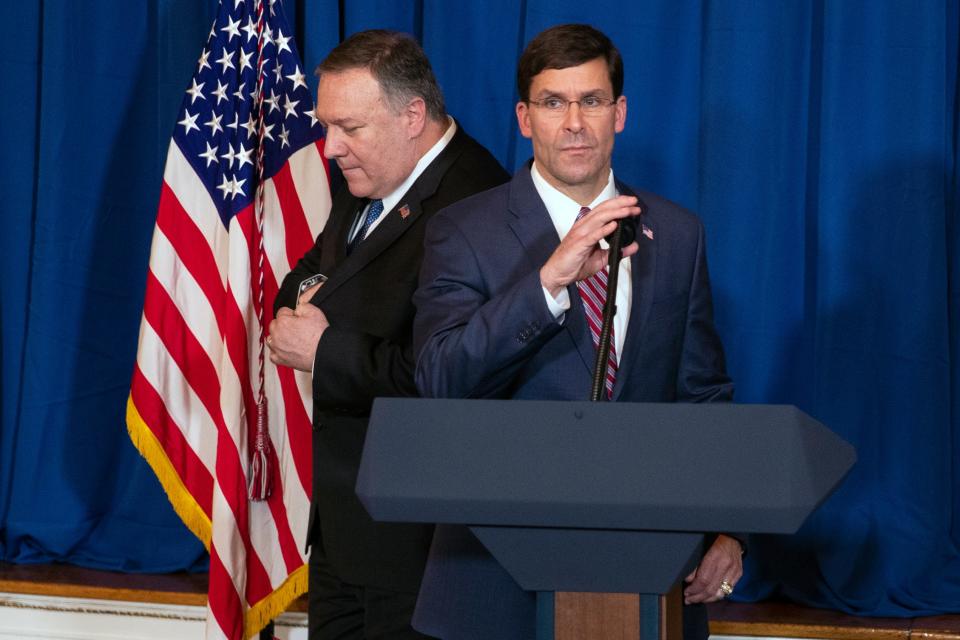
x,y
550,284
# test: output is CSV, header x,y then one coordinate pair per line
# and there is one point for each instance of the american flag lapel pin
x,y
647,231
404,211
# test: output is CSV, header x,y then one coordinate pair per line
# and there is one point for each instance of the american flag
x,y
245,191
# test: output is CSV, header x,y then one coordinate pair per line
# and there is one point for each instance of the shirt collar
x,y
562,208
391,200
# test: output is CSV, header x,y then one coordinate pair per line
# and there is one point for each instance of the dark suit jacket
x,y
366,352
483,330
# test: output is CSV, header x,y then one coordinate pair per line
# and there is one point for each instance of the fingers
x,y
308,294
308,311
704,585
600,222
579,254
721,564
293,336
618,207
630,249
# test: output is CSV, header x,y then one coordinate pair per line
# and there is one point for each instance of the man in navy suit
x,y
510,286
403,159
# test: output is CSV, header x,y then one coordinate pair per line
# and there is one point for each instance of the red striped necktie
x,y
593,292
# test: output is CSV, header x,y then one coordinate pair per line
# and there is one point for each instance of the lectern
x,y
574,497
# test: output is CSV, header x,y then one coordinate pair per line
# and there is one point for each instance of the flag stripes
x,y
192,409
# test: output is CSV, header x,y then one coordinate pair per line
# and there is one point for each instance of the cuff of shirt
x,y
558,306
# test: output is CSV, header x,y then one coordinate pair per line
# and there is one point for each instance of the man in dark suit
x,y
511,285
345,312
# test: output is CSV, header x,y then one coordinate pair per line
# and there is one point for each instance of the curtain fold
x,y
817,141
20,56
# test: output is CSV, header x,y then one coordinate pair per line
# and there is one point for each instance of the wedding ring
x,y
726,588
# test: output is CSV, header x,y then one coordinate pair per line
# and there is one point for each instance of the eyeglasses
x,y
589,105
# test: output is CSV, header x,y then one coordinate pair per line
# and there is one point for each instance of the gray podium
x,y
579,498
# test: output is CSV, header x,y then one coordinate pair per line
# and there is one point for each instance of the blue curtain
x,y
817,140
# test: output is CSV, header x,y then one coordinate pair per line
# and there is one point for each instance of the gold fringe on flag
x,y
183,502
260,614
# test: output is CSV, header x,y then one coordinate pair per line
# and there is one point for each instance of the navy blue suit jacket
x,y
483,330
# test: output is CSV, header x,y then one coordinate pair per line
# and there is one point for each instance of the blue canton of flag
x,y
217,126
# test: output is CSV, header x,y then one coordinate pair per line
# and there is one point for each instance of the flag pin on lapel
x,y
647,231
404,211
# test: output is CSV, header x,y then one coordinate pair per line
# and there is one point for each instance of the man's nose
x,y
333,146
573,117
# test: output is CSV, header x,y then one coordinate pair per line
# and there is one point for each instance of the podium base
x,y
570,615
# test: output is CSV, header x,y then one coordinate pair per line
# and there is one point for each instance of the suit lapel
x,y
535,230
642,270
395,222
336,252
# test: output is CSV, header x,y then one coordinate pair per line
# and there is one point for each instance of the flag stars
x,y
298,79
284,137
250,125
225,187
245,60
289,107
232,29
210,155
195,91
250,29
313,117
238,94
204,64
220,92
226,61
236,122
278,73
237,187
272,101
243,156
282,42
230,187
189,122
229,156
266,131
214,123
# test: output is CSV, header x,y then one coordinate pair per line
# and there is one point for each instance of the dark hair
x,y
396,62
568,45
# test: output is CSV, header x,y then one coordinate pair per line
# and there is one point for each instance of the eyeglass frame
x,y
561,111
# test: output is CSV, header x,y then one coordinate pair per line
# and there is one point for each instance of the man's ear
x,y
415,114
523,119
621,114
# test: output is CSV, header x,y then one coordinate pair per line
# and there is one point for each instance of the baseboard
x,y
39,617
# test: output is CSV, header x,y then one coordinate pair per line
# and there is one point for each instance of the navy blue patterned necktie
x,y
376,208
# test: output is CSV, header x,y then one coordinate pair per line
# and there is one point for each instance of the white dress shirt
x,y
563,212
393,198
